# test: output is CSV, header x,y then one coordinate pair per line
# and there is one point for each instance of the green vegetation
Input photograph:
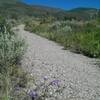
x,y
78,36
85,43
12,77
77,30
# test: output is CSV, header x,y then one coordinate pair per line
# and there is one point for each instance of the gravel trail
x,y
77,72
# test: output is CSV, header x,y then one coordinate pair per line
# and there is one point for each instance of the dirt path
x,y
46,58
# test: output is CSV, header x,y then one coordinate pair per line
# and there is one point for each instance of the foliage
x,y
13,83
78,36
11,48
11,51
85,43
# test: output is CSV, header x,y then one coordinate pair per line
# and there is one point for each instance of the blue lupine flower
x,y
55,82
33,94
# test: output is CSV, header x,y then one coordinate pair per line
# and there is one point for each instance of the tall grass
x,y
11,51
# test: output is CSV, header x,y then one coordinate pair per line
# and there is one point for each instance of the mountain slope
x,y
21,9
8,1
14,8
83,13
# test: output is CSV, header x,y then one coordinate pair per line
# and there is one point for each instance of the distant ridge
x,y
19,9
82,9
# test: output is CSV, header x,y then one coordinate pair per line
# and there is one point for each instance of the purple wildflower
x,y
33,94
55,82
45,78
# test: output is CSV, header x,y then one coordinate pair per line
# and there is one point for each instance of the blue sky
x,y
65,4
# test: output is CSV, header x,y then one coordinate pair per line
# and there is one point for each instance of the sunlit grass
x,y
11,51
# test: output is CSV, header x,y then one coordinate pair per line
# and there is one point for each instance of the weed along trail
x,y
46,58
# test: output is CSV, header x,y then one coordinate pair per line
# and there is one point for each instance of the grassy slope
x,y
14,7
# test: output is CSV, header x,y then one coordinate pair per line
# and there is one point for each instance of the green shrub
x,y
11,51
11,48
85,43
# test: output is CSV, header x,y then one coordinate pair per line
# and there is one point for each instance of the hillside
x,y
84,13
14,8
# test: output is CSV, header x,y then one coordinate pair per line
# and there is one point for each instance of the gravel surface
x,y
77,72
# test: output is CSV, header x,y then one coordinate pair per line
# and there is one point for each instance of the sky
x,y
65,4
